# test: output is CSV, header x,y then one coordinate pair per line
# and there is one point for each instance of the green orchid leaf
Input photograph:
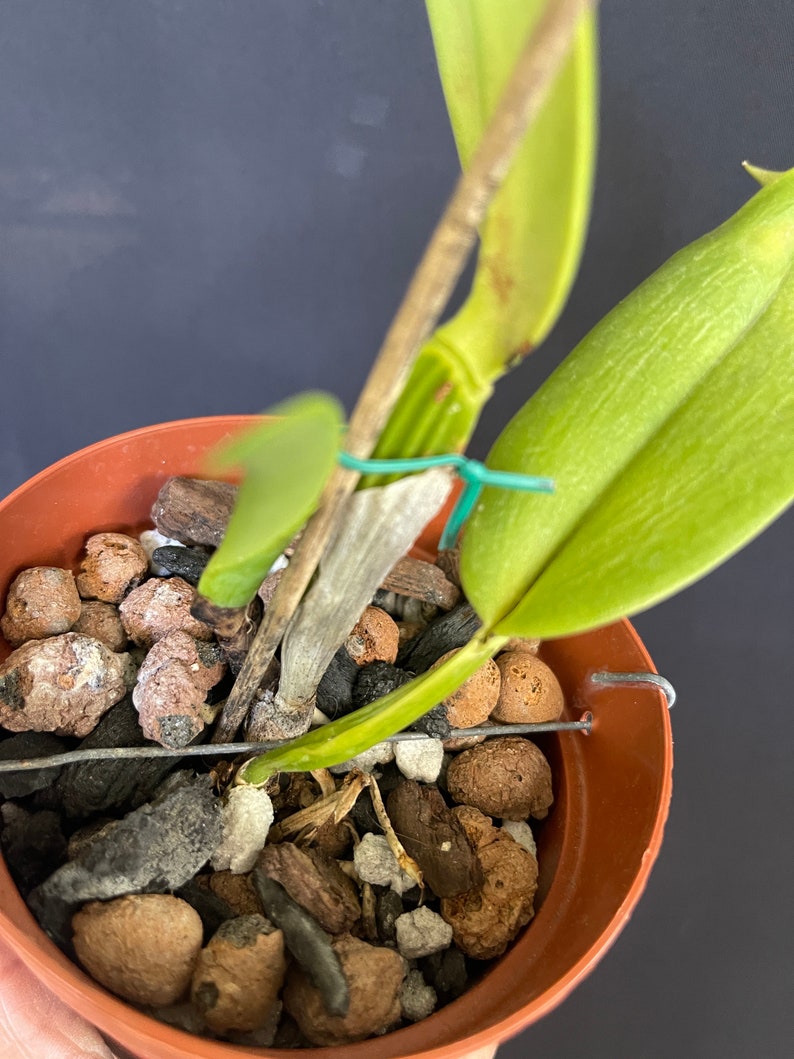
x,y
667,431
532,238
531,241
287,462
341,740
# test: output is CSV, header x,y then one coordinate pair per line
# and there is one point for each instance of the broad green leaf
x,y
667,431
531,241
341,740
287,462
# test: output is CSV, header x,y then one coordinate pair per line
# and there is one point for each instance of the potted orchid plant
x,y
683,391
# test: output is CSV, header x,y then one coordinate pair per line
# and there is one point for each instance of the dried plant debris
x,y
319,910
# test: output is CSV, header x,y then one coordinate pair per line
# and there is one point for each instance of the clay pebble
x,y
529,691
374,637
475,699
113,564
102,621
505,777
158,607
375,976
42,601
239,974
172,685
63,684
141,947
486,919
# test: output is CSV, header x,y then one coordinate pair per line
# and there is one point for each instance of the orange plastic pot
x,y
595,851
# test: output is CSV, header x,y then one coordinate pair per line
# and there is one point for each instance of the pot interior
x,y
596,849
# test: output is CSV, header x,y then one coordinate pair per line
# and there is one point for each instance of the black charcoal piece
x,y
187,563
306,941
444,634
100,786
434,723
375,680
33,844
335,690
388,907
21,747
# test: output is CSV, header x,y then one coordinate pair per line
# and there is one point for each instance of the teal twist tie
x,y
473,474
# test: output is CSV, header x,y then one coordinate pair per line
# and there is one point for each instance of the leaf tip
x,y
764,177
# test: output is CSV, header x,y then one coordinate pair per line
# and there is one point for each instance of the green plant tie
x,y
473,474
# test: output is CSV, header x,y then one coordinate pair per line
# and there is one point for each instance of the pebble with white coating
x,y
368,760
172,686
419,759
246,816
417,999
421,933
42,601
376,864
522,833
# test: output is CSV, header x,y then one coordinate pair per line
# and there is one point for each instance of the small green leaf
x,y
287,463
667,431
341,740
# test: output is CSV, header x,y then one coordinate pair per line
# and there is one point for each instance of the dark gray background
x,y
206,205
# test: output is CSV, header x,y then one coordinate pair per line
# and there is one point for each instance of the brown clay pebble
x,y
530,692
103,622
474,700
504,777
374,976
42,601
63,684
374,637
486,919
160,606
142,947
239,974
113,564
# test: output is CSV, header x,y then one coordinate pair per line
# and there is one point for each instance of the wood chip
x,y
420,580
194,511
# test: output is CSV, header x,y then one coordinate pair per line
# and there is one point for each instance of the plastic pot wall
x,y
596,850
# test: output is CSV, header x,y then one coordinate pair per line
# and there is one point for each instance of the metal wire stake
x,y
131,753
638,679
